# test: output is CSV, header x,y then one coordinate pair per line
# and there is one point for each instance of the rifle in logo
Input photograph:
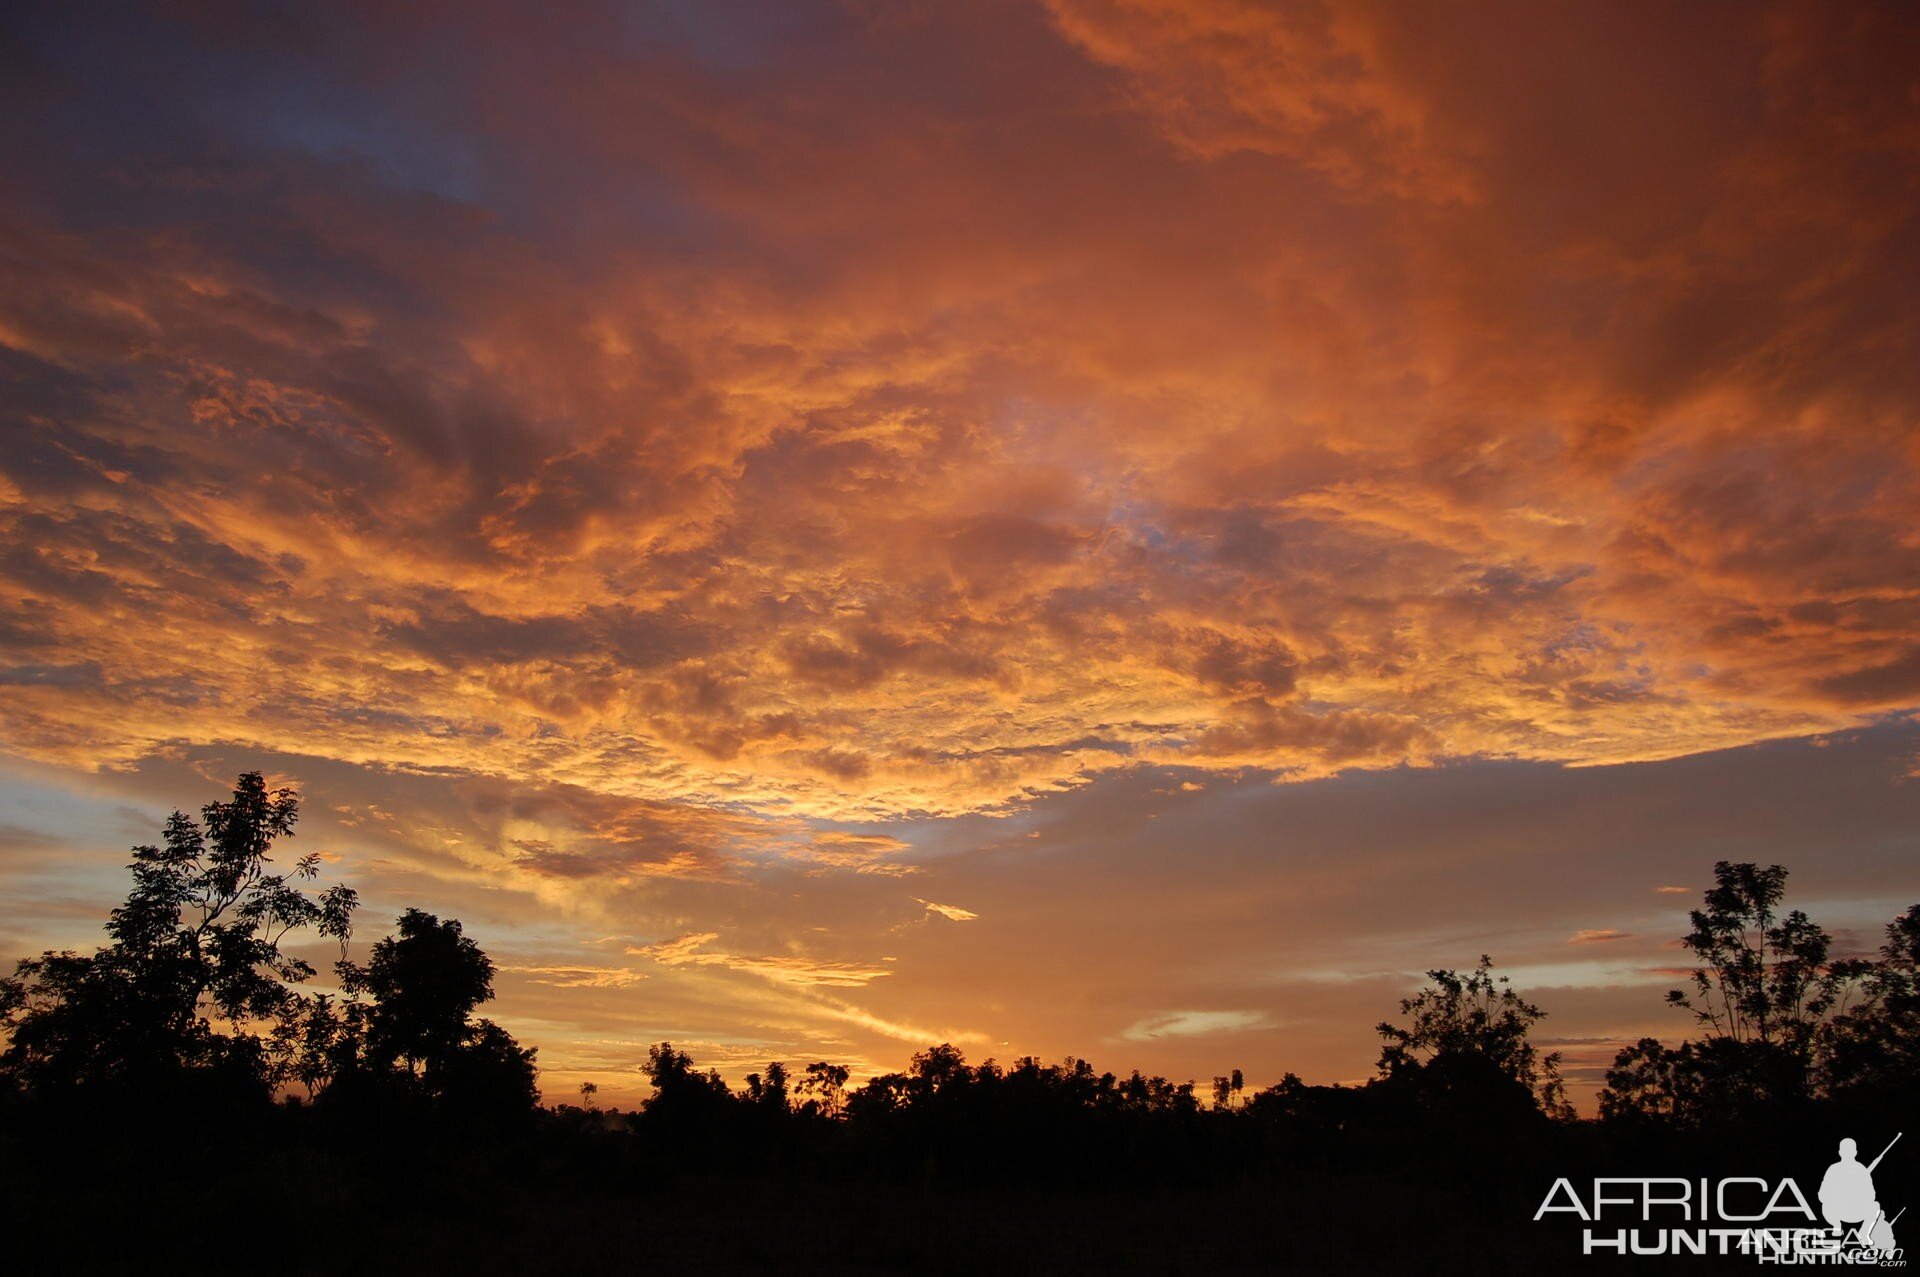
x,y
1883,1227
1847,1196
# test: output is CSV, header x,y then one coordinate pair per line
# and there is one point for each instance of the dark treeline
x,y
179,1098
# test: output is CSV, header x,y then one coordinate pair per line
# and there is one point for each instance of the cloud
x,y
1194,1024
953,913
677,950
785,535
862,853
579,977
1597,936
1307,85
689,950
899,1031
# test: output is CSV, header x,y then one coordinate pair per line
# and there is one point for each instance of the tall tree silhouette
x,y
194,978
1763,992
1763,977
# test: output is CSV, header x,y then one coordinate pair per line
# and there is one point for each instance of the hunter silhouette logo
x,y
1847,1198
1772,1221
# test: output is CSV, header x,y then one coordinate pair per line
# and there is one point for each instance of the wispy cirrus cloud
x,y
580,977
1173,1024
691,950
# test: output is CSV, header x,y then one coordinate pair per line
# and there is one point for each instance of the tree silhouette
x,y
769,1092
487,1073
1765,992
425,984
194,978
1650,1080
1762,977
825,1086
1461,1022
936,1069
1876,1046
681,1093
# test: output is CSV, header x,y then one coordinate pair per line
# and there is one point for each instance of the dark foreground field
x,y
281,1194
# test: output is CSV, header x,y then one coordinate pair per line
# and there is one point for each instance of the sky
x,y
1104,527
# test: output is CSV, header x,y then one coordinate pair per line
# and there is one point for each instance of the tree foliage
x,y
1762,977
1477,1017
825,1087
769,1091
195,977
1875,1045
425,983
197,984
1779,1029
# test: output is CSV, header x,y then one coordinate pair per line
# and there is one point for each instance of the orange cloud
x,y
580,977
1304,84
862,853
784,969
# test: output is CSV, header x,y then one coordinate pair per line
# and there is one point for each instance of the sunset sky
x,y
1117,527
